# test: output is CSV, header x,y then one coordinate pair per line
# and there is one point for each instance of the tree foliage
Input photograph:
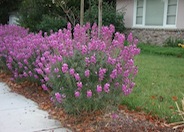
x,y
32,11
109,15
54,14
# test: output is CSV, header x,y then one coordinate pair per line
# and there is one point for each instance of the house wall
x,y
180,15
128,8
152,35
155,36
13,18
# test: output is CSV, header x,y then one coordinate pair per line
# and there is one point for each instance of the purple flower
x,y
106,87
132,84
111,60
114,74
126,90
84,49
93,59
72,71
87,60
64,68
51,99
9,66
126,73
25,74
56,70
77,77
30,73
44,87
58,97
130,62
87,73
89,94
43,59
79,85
20,64
101,73
99,88
59,58
47,70
136,41
40,65
130,38
25,67
39,71
77,94
46,79
69,26
26,62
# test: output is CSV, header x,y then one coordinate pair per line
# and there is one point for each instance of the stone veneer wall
x,y
155,36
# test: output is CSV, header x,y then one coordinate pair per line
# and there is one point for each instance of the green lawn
x,y
160,78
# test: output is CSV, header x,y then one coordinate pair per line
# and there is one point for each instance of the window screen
x,y
154,12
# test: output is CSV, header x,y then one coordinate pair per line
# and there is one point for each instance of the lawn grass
x,y
160,78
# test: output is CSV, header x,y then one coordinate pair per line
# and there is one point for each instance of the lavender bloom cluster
x,y
76,65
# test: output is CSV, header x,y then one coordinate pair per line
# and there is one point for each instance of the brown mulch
x,y
122,120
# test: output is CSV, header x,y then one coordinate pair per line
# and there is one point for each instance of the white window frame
x,y
165,25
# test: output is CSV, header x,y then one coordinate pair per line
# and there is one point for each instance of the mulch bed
x,y
121,120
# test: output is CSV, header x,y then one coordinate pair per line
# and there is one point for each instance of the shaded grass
x,y
168,51
160,78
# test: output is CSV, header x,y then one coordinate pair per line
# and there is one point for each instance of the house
x,y
13,18
154,21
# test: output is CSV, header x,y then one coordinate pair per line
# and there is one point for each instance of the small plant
x,y
181,45
173,42
180,112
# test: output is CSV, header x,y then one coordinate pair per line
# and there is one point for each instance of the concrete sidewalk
x,y
18,114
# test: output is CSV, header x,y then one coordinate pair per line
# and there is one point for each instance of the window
x,y
139,15
160,13
171,12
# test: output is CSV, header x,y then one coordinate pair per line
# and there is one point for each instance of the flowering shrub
x,y
94,72
85,72
8,35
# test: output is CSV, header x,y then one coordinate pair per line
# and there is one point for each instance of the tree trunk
x,y
99,16
82,13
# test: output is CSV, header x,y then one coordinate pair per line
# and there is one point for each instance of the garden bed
x,y
109,121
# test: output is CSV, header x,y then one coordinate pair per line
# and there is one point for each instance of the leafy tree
x,y
109,15
49,23
54,14
31,12
34,14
